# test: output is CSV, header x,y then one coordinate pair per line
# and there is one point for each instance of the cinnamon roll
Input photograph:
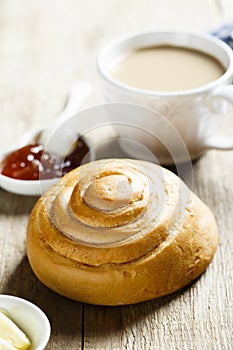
x,y
119,231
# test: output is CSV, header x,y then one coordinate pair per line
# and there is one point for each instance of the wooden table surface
x,y
45,46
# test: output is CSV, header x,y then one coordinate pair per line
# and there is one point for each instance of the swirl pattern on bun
x,y
119,231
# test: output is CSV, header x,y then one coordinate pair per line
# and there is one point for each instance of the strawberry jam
x,y
32,162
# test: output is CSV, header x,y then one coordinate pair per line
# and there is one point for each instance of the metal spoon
x,y
78,94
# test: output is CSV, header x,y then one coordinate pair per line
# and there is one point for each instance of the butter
x,y
11,337
4,345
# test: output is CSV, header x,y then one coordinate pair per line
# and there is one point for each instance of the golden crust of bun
x,y
119,231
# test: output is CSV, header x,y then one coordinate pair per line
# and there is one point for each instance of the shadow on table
x,y
12,204
129,321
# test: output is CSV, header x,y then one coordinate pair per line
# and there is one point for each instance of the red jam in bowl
x,y
32,162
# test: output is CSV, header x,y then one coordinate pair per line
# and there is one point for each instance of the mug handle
x,y
221,142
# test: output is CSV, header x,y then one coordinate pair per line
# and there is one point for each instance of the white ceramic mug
x,y
195,113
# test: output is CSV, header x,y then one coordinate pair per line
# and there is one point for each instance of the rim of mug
x,y
117,41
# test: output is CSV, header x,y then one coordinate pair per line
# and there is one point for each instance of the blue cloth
x,y
225,33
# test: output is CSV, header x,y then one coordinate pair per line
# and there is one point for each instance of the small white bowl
x,y
29,318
